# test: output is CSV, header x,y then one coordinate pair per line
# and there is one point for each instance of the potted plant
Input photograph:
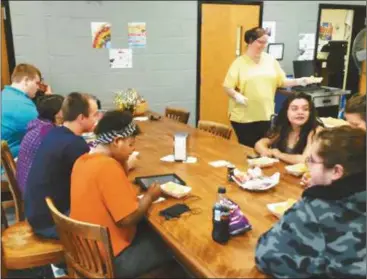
x,y
131,100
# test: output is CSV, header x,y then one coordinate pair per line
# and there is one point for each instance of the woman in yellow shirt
x,y
251,83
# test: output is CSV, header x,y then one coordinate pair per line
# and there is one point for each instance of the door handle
x,y
238,40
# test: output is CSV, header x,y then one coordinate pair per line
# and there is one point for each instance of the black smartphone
x,y
174,211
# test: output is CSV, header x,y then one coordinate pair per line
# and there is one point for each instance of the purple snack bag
x,y
238,223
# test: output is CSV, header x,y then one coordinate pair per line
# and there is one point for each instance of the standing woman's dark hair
x,y
253,34
282,126
48,106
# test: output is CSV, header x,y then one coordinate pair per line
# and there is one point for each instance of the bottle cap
x,y
222,190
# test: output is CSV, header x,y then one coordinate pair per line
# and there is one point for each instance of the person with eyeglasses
x,y
251,83
355,111
323,235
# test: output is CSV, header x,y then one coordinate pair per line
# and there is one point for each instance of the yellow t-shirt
x,y
257,82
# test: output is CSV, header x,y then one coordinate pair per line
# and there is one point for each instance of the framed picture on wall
x,y
276,50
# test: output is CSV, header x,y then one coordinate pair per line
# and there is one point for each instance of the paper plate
x,y
262,162
259,184
279,208
331,122
297,169
175,190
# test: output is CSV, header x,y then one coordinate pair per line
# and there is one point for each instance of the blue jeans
x,y
49,232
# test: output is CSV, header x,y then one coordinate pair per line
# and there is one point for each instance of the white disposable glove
x,y
240,99
302,81
308,80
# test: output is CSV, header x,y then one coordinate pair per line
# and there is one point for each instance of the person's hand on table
x,y
154,191
267,153
276,153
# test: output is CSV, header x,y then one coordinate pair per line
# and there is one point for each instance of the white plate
x,y
294,170
272,208
262,162
258,183
330,122
184,190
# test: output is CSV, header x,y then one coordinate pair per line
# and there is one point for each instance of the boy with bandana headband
x,y
102,194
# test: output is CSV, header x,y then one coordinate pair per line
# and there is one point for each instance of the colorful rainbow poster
x,y
101,34
137,34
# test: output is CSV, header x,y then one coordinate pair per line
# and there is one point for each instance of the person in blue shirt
x,y
18,109
50,172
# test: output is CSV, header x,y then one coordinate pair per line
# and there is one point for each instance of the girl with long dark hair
x,y
292,133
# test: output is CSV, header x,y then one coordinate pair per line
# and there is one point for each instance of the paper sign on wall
x,y
101,34
306,46
137,34
326,31
269,27
121,58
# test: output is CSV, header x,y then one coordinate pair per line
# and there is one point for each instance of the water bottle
x,y
221,213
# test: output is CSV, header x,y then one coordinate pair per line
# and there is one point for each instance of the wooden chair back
x,y
215,128
177,114
87,247
8,163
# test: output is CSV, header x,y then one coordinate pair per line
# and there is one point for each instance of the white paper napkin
x,y
141,118
219,163
170,158
160,199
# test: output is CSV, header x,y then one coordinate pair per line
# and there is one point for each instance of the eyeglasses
x,y
310,160
262,42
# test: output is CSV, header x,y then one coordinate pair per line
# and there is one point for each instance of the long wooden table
x,y
190,236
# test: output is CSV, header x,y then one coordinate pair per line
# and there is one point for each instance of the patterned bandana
x,y
108,137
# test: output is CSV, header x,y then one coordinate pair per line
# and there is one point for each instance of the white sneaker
x,y
58,272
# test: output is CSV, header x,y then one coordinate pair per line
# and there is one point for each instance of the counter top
x,y
331,91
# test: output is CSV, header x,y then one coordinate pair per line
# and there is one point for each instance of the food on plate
x,y
243,177
174,188
333,122
280,208
254,179
297,169
262,161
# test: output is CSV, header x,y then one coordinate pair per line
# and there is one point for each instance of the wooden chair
x,y
21,248
83,243
177,114
215,128
5,192
11,184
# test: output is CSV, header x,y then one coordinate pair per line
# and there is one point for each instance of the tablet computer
x,y
145,181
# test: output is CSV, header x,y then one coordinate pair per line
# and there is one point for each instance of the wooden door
x,y
5,72
220,26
